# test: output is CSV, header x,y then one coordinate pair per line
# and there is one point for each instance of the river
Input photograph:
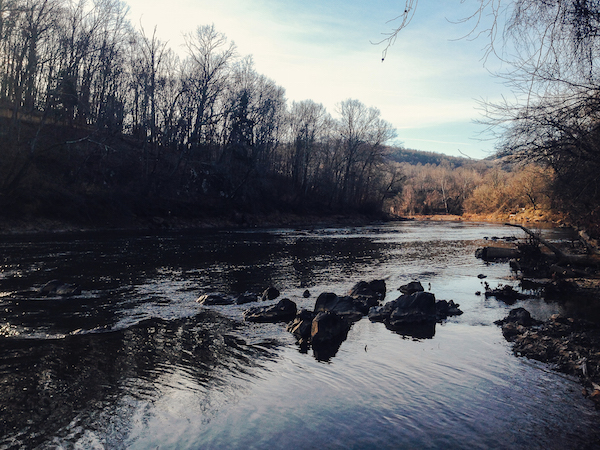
x,y
134,362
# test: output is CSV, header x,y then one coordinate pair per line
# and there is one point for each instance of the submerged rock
x,y
215,299
283,311
57,287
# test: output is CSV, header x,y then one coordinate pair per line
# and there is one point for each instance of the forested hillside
x,y
100,121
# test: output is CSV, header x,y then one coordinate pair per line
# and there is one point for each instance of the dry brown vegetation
x,y
476,189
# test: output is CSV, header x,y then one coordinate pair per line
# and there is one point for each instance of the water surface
x,y
135,362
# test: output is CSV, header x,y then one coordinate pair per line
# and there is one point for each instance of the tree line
x,y
95,111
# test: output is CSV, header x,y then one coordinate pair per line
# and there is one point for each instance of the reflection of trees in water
x,y
48,384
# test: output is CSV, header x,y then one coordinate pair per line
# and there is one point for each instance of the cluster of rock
x,y
505,293
413,307
571,345
327,325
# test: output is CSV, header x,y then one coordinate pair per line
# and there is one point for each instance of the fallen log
x,y
562,258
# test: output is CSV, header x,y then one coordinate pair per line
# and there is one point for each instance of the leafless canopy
x,y
551,50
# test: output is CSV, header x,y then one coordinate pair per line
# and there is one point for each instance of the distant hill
x,y
415,157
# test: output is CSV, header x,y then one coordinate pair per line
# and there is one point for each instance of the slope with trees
x,y
102,121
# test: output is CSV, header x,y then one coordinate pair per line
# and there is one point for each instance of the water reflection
x,y
425,330
47,383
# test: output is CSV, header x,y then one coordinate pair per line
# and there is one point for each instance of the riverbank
x,y
569,345
233,220
569,342
524,216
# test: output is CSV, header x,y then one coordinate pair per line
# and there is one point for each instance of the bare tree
x,y
553,60
308,122
362,136
211,58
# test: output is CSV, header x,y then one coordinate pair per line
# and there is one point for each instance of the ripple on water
x,y
149,367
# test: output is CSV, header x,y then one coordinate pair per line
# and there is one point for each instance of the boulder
x,y
368,294
382,313
516,323
519,316
215,299
301,326
423,302
326,301
416,308
446,309
283,311
346,307
401,317
328,328
57,287
306,293
411,288
270,293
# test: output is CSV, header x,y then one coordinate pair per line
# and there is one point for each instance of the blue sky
x,y
427,87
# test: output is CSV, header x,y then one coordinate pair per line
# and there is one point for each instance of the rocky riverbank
x,y
569,345
568,274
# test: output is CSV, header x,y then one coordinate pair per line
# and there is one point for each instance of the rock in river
x,y
411,288
346,307
283,311
367,294
215,299
328,328
301,326
271,293
57,287
418,307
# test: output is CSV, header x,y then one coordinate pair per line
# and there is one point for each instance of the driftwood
x,y
561,257
590,244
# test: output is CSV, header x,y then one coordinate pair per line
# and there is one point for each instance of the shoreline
x,y
237,220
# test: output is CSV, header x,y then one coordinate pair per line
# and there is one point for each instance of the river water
x,y
134,362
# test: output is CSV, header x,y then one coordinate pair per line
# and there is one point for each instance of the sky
x,y
428,87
